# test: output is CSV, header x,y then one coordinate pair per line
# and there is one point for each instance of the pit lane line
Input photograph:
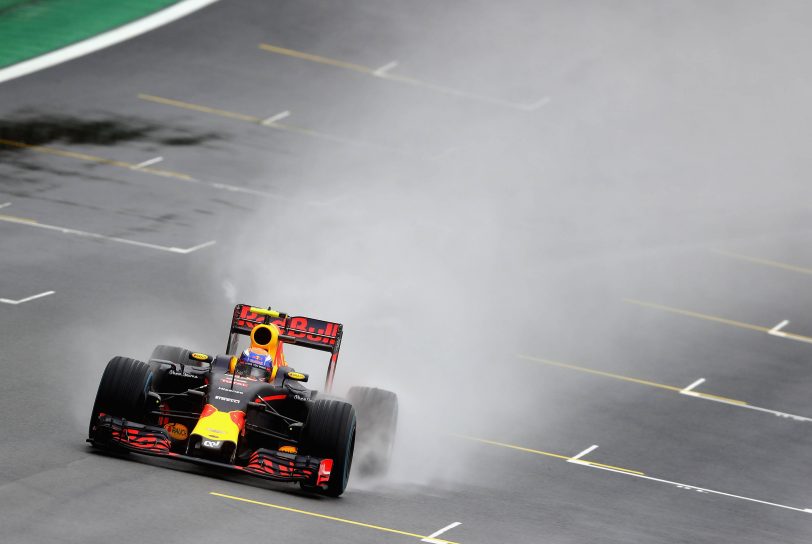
x,y
708,317
271,122
86,234
337,519
764,262
687,391
635,474
140,167
385,72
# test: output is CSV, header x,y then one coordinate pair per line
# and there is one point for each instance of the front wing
x,y
264,463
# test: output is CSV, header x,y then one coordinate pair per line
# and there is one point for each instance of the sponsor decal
x,y
246,319
217,397
177,431
297,376
288,449
237,382
212,443
184,374
230,390
300,397
314,330
201,356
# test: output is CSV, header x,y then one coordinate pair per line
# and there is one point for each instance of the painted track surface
x,y
559,288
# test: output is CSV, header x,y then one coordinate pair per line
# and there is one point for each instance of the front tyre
x,y
175,354
122,391
330,434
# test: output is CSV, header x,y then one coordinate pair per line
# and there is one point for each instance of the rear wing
x,y
297,330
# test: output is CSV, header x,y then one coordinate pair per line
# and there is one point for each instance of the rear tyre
x,y
181,356
123,391
330,434
377,411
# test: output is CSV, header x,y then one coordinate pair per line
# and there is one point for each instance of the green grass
x,y
29,28
5,4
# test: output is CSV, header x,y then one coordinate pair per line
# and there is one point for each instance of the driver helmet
x,y
254,363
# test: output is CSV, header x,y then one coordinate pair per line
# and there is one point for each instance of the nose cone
x,y
219,426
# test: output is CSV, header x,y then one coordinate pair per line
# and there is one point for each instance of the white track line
x,y
459,93
776,331
432,537
195,248
5,205
748,406
699,489
535,105
22,300
619,470
731,402
381,72
590,449
63,230
274,118
146,163
112,37
698,382
778,327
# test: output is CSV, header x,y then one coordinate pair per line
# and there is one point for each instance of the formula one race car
x,y
246,410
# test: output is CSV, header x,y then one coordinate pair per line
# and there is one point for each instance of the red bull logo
x,y
314,330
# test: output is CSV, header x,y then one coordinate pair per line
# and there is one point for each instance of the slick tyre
x,y
123,391
174,354
377,412
330,434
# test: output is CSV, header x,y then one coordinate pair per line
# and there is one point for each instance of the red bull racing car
x,y
246,410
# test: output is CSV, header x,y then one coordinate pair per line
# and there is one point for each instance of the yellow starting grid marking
x,y
133,167
547,454
577,459
333,518
94,159
316,58
626,378
599,372
765,262
271,122
384,72
200,108
716,319
686,391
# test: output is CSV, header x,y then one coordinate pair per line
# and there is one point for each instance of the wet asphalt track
x,y
110,295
